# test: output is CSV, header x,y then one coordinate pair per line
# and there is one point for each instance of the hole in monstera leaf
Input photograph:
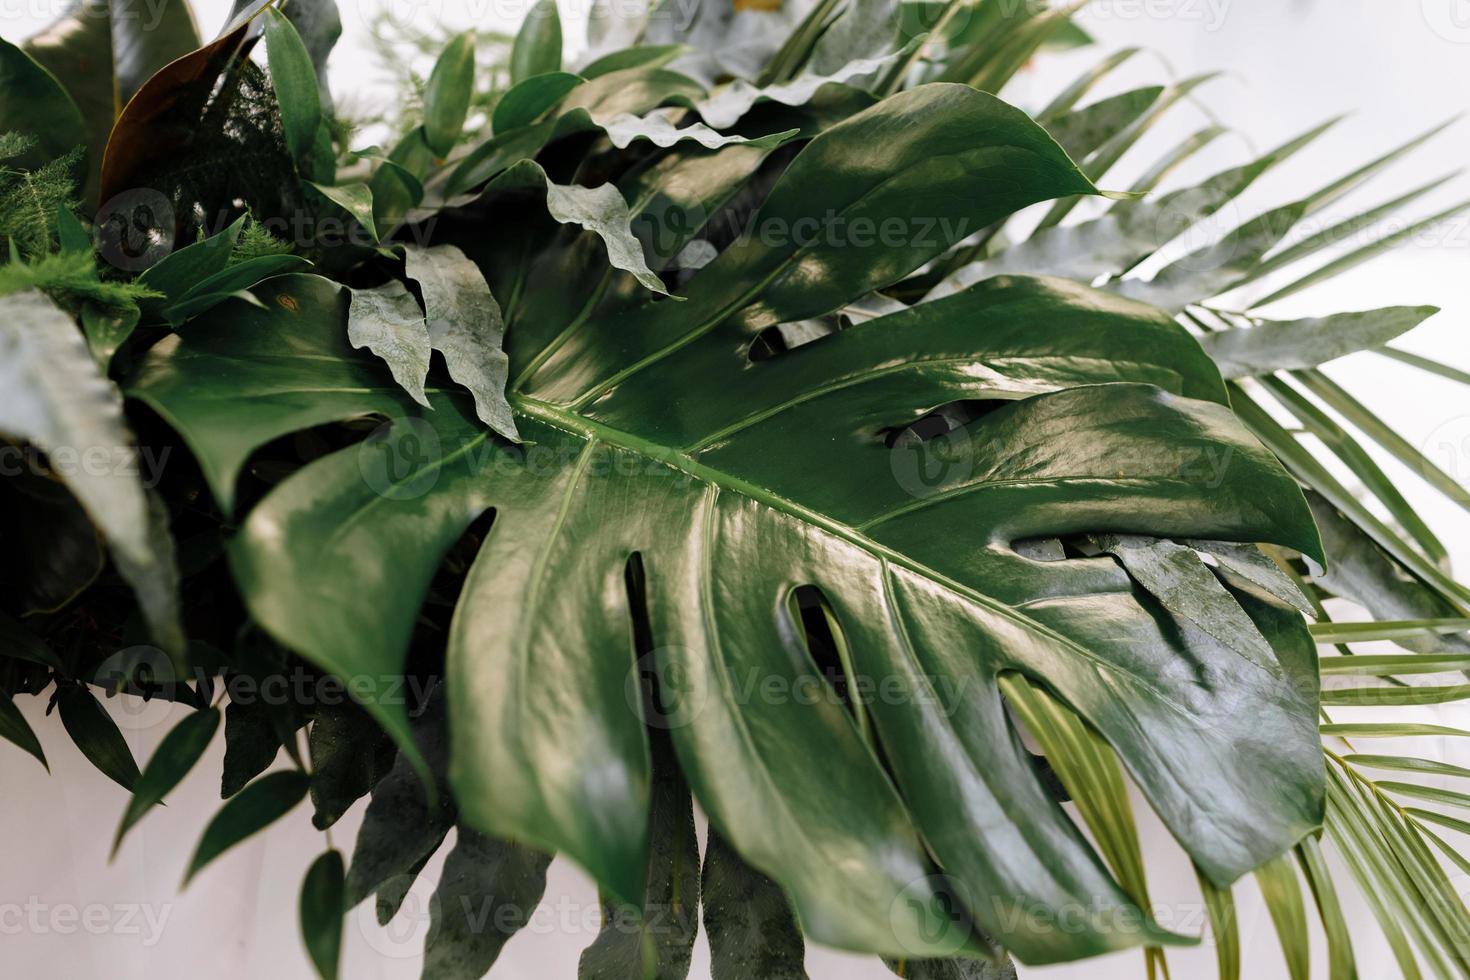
x,y
940,421
825,642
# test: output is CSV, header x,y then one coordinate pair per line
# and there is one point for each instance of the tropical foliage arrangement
x,y
703,425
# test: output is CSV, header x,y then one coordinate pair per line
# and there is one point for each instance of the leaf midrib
x,y
585,428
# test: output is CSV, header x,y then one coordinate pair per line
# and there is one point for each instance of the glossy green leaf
x,y
654,940
15,729
526,101
355,199
537,48
103,52
402,826
1111,418
178,272
644,56
169,764
33,103
345,745
321,911
293,77
254,808
251,745
97,735
448,91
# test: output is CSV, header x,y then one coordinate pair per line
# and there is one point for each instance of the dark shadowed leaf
x,y
321,911
487,892
752,933
97,735
254,808
169,764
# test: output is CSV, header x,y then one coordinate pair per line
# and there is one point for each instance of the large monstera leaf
x,y
656,450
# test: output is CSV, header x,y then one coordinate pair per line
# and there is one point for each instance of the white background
x,y
1399,66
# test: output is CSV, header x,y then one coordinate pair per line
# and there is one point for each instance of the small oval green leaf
x,y
295,82
447,96
537,48
321,913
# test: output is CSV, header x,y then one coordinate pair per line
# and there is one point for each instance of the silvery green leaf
x,y
1253,565
466,326
1277,345
53,396
1175,575
387,321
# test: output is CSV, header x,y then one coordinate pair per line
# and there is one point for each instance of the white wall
x,y
1401,66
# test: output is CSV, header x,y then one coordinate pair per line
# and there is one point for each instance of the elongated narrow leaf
x,y
1175,576
524,102
447,95
537,47
1282,892
15,729
254,808
1276,345
1224,927
97,735
170,763
321,912
1341,963
293,77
